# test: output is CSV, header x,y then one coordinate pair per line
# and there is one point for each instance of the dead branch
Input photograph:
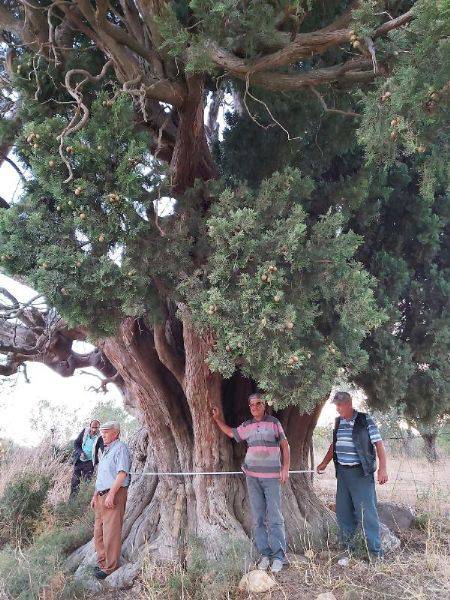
x,y
346,113
75,92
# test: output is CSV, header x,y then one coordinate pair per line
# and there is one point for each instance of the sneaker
x,y
277,565
100,574
376,558
263,563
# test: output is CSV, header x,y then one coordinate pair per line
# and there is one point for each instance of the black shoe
x,y
100,574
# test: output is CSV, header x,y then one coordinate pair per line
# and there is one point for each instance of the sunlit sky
x,y
68,401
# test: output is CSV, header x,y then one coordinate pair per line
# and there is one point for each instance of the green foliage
x,y
83,238
408,113
27,571
109,411
360,248
407,250
66,512
284,296
21,507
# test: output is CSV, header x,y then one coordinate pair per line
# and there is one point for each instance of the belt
x,y
103,492
350,466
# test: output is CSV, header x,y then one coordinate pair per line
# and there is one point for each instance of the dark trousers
x,y
356,506
81,470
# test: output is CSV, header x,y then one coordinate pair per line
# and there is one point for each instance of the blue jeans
x,y
268,523
356,504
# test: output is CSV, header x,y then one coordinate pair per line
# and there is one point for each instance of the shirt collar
x,y
262,420
352,418
110,445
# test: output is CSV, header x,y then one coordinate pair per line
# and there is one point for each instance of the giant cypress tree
x,y
201,268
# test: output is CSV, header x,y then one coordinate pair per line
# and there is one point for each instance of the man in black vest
x,y
354,450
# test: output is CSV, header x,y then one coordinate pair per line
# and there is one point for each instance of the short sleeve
x,y
240,433
123,461
280,432
374,432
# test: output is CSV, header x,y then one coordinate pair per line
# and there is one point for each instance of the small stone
x,y
326,596
343,562
256,581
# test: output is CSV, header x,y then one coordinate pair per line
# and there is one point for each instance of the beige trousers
x,y
108,530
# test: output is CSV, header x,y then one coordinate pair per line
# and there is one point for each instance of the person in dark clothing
x,y
87,447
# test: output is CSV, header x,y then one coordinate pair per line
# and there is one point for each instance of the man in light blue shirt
x,y
109,500
87,447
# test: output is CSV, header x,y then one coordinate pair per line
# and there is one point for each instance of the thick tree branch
x,y
306,45
396,23
352,70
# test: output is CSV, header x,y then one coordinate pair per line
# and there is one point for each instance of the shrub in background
x,y
21,507
38,571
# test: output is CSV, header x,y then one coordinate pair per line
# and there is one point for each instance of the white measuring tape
x,y
194,473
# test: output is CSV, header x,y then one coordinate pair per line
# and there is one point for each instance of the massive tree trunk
x,y
174,401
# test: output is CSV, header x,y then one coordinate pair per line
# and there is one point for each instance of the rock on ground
x,y
326,596
397,517
389,542
256,581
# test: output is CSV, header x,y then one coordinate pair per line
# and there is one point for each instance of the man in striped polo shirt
x,y
266,466
355,447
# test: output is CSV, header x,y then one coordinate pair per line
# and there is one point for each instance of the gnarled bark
x,y
165,512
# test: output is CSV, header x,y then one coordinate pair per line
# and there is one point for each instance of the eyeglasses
x,y
254,404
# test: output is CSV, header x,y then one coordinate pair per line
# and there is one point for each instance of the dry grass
x,y
414,482
41,460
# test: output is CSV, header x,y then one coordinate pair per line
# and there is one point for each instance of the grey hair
x,y
110,425
256,395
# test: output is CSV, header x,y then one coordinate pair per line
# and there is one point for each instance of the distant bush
x,y
38,571
21,507
66,512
